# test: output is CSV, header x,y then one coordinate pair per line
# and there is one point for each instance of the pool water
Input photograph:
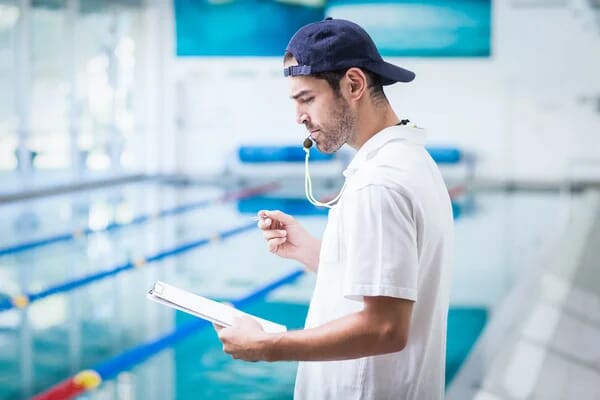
x,y
498,234
204,371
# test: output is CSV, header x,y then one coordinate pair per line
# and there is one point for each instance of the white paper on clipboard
x,y
203,307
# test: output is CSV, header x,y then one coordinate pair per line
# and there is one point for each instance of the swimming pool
x,y
497,236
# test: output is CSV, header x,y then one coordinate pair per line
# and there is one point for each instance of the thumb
x,y
280,217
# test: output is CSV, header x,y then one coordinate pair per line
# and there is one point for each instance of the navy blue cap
x,y
338,44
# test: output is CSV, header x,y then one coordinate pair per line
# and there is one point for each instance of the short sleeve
x,y
380,237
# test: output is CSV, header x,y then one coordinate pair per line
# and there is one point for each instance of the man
x,y
376,326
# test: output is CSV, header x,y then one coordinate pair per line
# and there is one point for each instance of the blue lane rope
x,y
23,300
78,233
127,360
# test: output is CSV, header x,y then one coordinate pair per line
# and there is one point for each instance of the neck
x,y
372,119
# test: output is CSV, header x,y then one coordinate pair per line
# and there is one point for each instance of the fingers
x,y
264,223
273,244
282,217
272,223
218,327
275,238
273,219
274,234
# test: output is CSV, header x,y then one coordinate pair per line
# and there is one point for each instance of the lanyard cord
x,y
308,183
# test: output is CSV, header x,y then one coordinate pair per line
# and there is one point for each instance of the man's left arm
x,y
381,327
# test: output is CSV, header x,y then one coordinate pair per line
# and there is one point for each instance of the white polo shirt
x,y
391,234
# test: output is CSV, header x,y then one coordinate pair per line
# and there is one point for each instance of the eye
x,y
306,100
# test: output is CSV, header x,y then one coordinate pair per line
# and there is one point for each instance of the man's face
x,y
326,115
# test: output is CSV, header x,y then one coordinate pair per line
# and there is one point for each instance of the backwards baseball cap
x,y
337,44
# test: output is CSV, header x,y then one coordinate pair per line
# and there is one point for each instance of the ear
x,y
356,83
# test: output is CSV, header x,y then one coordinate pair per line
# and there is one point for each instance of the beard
x,y
340,128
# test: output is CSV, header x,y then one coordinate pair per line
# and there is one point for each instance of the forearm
x,y
311,255
353,336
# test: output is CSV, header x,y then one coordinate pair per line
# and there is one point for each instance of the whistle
x,y
307,143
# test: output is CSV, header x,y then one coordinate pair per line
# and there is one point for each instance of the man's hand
x,y
244,340
288,239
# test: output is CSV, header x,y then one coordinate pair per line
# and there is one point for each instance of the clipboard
x,y
205,308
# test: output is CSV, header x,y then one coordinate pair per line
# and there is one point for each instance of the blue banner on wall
x,y
430,28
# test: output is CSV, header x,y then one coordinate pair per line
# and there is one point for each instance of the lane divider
x,y
92,378
20,301
79,233
25,299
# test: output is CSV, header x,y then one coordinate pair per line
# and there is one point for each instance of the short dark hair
x,y
333,79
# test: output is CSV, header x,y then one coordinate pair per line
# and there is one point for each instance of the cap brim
x,y
390,73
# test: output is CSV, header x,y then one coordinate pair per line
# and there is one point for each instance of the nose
x,y
301,117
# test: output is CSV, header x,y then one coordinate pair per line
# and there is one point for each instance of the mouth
x,y
313,132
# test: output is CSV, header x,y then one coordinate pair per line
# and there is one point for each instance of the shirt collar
x,y
411,134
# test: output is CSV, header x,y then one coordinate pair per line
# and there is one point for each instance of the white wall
x,y
520,111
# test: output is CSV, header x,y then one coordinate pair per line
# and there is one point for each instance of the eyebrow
x,y
300,94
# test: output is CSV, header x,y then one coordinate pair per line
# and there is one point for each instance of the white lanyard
x,y
308,183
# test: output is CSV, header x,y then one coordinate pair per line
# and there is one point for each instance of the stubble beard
x,y
340,130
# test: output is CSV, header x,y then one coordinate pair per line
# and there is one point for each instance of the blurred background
x,y
138,139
